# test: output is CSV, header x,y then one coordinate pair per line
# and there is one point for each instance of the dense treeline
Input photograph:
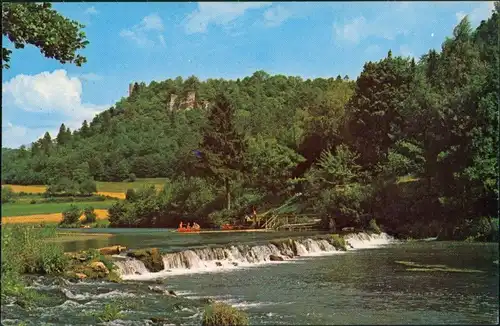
x,y
412,144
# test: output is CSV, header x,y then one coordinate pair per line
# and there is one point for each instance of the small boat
x,y
186,230
227,227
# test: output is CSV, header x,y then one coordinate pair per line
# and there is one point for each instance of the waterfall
x,y
365,241
234,256
131,267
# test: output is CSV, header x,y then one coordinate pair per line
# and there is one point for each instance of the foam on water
x,y
366,241
243,256
89,296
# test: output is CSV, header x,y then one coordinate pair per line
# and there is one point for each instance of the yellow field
x,y
41,189
28,189
102,214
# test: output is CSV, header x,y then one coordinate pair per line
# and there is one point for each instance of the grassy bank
x,y
23,251
38,250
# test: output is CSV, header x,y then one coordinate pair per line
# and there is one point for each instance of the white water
x,y
241,256
89,296
366,241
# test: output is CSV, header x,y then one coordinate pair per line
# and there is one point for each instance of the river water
x,y
362,286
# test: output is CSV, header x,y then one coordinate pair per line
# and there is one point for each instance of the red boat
x,y
227,227
195,228
187,230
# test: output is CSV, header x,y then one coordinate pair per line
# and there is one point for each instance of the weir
x,y
234,256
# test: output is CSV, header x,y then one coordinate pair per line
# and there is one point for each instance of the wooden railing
x,y
289,221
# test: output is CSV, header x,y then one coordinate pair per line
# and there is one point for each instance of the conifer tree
x,y
222,150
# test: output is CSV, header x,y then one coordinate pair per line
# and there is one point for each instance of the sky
x,y
142,42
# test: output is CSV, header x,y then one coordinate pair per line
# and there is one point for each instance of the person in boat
x,y
196,226
180,225
188,227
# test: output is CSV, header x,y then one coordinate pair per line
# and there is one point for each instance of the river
x,y
362,286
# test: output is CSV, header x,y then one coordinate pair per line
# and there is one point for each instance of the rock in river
x,y
151,258
113,250
99,267
276,258
162,290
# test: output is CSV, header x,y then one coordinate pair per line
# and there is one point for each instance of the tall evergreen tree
x,y
85,130
375,108
223,148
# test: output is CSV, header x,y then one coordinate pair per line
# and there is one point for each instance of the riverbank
x,y
302,290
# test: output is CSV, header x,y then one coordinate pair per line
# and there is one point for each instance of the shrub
x,y
117,213
132,177
87,187
372,226
219,218
52,260
24,251
111,312
92,255
220,314
101,224
71,216
63,186
130,195
339,242
32,201
90,215
7,195
482,227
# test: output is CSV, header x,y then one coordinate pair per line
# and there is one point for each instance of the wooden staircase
x,y
288,222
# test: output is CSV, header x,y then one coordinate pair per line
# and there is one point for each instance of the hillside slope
x,y
342,144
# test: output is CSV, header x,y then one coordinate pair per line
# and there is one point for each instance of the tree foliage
x,y
37,24
410,144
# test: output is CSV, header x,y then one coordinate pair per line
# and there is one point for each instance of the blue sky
x,y
156,41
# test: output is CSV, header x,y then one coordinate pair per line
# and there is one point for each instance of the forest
x,y
412,144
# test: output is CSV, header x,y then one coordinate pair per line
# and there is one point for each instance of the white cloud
x,y
152,22
218,13
276,16
390,22
162,40
353,31
13,136
482,11
141,33
91,11
52,93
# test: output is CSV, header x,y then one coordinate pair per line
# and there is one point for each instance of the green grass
x,y
220,314
123,186
20,209
24,251
111,312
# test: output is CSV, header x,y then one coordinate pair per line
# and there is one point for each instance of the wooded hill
x,y
412,144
